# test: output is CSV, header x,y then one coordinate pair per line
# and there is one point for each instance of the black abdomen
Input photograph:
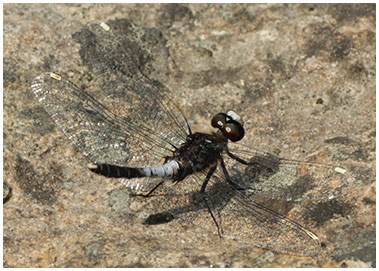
x,y
116,171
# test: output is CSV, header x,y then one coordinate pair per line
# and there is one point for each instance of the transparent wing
x,y
285,179
255,220
118,47
268,211
104,136
120,54
135,120
240,215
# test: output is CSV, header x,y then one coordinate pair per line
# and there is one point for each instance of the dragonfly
x,y
133,131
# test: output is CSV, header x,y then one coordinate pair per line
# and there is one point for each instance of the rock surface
x,y
302,77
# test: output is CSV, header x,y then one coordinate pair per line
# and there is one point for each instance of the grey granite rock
x,y
302,77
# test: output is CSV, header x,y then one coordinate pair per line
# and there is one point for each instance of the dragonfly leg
x,y
235,157
225,171
150,192
205,197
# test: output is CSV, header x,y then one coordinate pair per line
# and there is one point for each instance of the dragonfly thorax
x,y
199,152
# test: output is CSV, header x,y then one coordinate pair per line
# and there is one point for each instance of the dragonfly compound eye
x,y
218,120
233,131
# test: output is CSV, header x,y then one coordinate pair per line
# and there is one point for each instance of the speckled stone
x,y
302,76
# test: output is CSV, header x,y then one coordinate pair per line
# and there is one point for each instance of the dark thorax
x,y
199,152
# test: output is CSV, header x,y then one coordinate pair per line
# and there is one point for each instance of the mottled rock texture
x,y
302,77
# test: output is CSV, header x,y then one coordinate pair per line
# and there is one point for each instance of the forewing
x,y
124,118
101,134
122,56
285,179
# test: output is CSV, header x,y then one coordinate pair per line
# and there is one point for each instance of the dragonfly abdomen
x,y
166,170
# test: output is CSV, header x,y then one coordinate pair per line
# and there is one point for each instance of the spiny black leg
x,y
205,198
150,192
228,177
235,157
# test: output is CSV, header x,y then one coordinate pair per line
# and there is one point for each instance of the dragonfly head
x,y
229,124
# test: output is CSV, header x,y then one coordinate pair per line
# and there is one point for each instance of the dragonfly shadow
x,y
259,169
217,195
248,191
220,192
276,178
